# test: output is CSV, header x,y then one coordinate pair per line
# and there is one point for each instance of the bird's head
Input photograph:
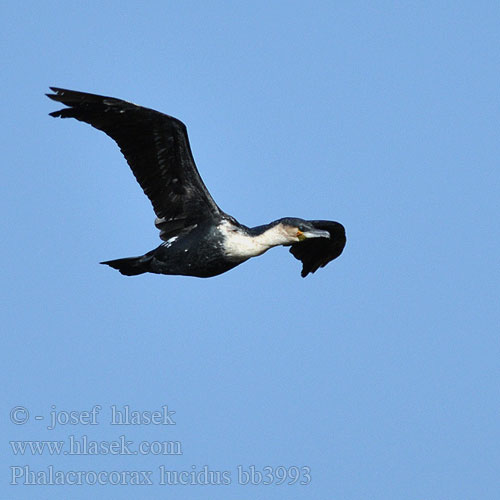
x,y
300,230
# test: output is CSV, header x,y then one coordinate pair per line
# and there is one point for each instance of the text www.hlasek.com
x,y
82,445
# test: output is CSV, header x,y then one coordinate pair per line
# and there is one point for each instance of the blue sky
x,y
379,373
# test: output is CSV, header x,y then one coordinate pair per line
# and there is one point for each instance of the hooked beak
x,y
314,233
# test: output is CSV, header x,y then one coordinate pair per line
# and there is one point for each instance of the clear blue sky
x,y
380,372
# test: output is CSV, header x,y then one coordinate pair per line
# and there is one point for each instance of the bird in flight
x,y
199,239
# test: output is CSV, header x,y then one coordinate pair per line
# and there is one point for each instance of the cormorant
x,y
199,239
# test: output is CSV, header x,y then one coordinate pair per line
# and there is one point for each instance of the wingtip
x,y
58,92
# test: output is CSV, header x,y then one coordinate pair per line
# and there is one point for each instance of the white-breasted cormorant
x,y
199,239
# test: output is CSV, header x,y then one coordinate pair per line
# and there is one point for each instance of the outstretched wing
x,y
156,147
318,252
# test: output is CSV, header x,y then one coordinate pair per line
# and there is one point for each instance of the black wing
x,y
318,252
156,147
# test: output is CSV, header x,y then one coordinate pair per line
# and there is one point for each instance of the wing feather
x,y
318,252
156,147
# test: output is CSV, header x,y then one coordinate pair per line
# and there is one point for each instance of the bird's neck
x,y
239,243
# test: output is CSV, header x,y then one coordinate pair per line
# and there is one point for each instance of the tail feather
x,y
130,266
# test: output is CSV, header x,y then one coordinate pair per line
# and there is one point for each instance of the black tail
x,y
131,266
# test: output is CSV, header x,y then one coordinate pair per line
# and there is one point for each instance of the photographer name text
x,y
117,415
